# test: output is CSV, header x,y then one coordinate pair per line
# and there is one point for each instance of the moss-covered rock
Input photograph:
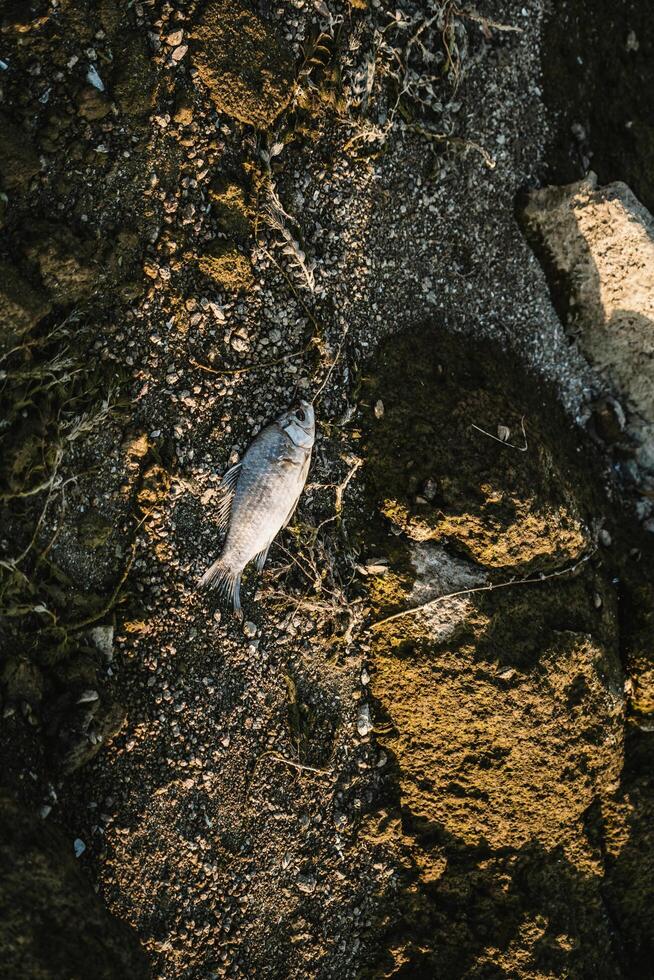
x,y
437,477
226,267
19,161
243,63
22,304
502,712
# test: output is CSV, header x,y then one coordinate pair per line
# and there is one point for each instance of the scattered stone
x,y
306,883
184,111
364,723
79,847
375,566
86,697
94,79
103,638
92,104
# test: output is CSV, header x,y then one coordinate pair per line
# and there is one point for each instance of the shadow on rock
x,y
52,925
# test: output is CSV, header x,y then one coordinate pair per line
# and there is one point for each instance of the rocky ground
x,y
207,209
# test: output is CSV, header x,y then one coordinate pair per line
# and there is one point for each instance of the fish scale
x,y
259,495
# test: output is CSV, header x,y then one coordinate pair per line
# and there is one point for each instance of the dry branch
x,y
492,587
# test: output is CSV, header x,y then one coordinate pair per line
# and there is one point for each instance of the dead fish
x,y
259,496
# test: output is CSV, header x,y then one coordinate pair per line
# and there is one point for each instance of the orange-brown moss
x,y
243,63
226,267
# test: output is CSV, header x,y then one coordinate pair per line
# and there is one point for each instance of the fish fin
x,y
303,473
226,495
228,582
260,559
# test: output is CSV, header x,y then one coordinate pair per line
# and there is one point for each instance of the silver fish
x,y
259,496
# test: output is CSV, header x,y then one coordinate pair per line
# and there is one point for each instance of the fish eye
x,y
299,412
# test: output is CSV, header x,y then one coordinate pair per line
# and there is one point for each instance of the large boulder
x,y
597,244
502,711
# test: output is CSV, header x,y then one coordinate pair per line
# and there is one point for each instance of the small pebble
x,y
364,724
86,697
306,883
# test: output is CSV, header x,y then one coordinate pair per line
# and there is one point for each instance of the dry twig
x,y
492,587
503,442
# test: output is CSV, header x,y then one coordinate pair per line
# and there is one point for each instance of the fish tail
x,y
228,582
